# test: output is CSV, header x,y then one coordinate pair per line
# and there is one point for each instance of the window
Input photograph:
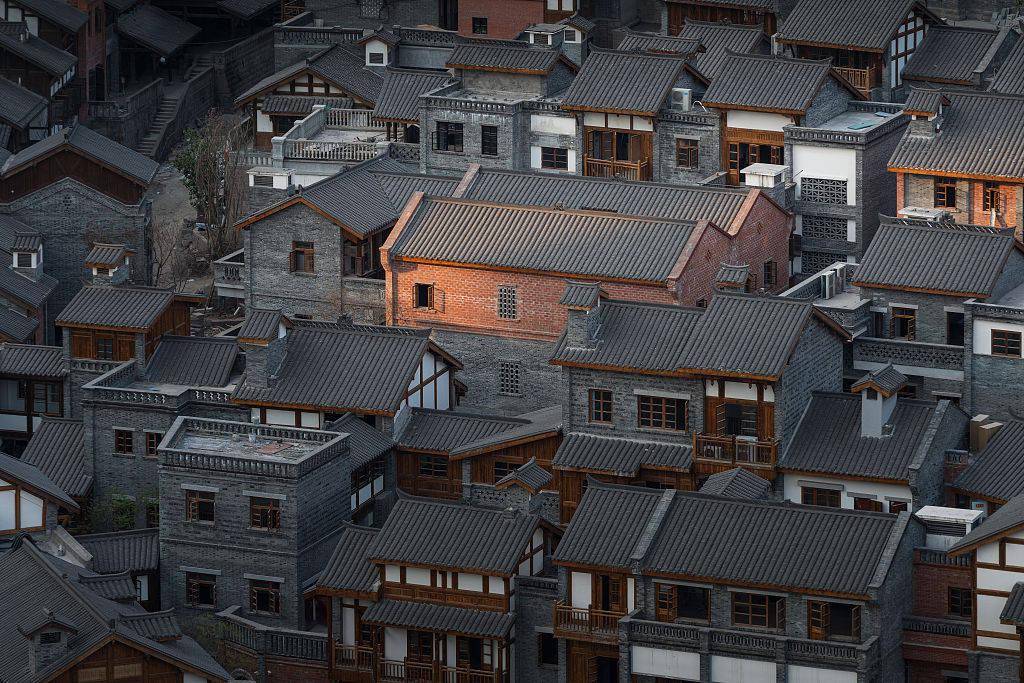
x,y
832,621
123,439
600,406
503,468
903,323
199,506
686,153
945,192
770,276
508,306
423,295
991,197
433,466
547,649
265,597
509,373
46,398
24,259
554,157
448,137
263,180
658,412
954,328
682,602
1006,343
897,506
152,441
265,513
104,348
480,25
376,58
49,638
152,514
540,38
867,504
301,258
823,228
754,609
571,36
960,602
828,498
823,190
489,141
201,590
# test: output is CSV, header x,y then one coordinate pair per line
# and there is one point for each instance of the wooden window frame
x,y
153,440
264,514
821,497
770,274
658,415
687,153
428,290
432,466
758,610
600,406
478,25
489,141
907,314
991,196
944,192
270,591
445,135
301,259
1008,343
554,158
195,505
53,394
866,504
506,468
959,602
194,581
124,442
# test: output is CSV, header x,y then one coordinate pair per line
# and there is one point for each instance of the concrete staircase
x,y
151,140
202,62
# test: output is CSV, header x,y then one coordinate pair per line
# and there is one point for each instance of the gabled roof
x,y
624,82
998,471
506,56
981,136
719,39
16,327
769,83
246,9
106,255
530,475
123,551
32,291
32,360
863,25
119,587
444,431
422,532
634,41
153,28
400,93
129,308
341,65
160,626
300,105
57,449
33,478
924,101
364,442
582,295
192,361
732,275
19,106
580,22
349,568
125,161
736,483
1008,518
828,439
261,325
16,38
954,54
952,259
439,618
545,240
886,380
623,457
608,525
66,16
1009,78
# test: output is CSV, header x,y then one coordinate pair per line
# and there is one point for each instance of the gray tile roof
x,y
15,38
1007,518
504,56
57,449
106,255
446,534
624,82
1013,610
339,64
119,587
924,101
19,106
33,477
345,368
579,21
246,9
27,241
620,456
261,324
33,292
441,431
1009,78
953,54
158,626
634,41
62,14
192,361
998,471
135,551
10,229
530,474
349,567
767,82
300,104
400,93
917,256
32,360
567,242
88,142
828,439
608,525
982,134
736,483
719,38
157,30
732,276
581,294
887,379
865,24
134,308
16,327
364,442
439,618
721,205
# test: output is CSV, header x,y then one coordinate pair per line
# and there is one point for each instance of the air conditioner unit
x,y
682,99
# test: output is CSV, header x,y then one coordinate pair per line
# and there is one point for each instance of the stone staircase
x,y
151,140
202,62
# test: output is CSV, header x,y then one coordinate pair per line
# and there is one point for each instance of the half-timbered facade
x,y
29,500
33,385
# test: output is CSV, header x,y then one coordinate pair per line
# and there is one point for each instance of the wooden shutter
x,y
765,421
855,622
818,616
124,347
81,345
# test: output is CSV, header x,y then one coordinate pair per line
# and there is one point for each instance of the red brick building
x,y
506,19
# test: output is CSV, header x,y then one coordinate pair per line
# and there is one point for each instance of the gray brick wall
x,y
709,151
947,430
992,383
816,365
535,600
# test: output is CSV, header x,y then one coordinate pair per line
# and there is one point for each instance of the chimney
x,y
264,339
772,179
48,637
981,431
583,300
879,391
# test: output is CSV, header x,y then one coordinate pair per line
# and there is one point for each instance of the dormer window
x,y
571,35
49,638
375,58
24,259
540,38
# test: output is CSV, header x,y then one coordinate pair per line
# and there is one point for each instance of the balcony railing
x,y
627,170
444,596
353,663
435,672
356,119
584,623
861,79
909,354
326,150
732,450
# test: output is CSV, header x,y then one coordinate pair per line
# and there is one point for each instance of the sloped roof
x,y
127,161
619,456
953,54
246,9
16,327
720,38
444,431
439,618
634,41
861,25
192,361
568,242
159,626
130,308
118,587
1013,610
581,294
137,550
19,106
400,93
998,471
57,449
33,292
448,534
33,477
262,324
342,65
156,29
300,104
32,360
68,17
948,258
16,38
504,56
624,82
1009,78
529,475
982,135
828,439
886,379
736,483
767,82
608,525
106,255
732,276
1007,518
364,442
349,567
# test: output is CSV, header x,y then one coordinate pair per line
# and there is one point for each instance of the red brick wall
x,y
505,18
931,587
1006,217
764,236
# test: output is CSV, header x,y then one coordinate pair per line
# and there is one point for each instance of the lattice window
x,y
509,378
823,190
813,261
508,303
824,228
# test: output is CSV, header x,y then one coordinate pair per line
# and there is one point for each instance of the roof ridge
x,y
628,439
556,210
687,187
729,52
663,56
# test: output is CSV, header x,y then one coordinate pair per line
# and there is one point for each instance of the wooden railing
x,y
430,487
445,596
627,170
584,623
356,661
731,450
435,672
454,674
861,79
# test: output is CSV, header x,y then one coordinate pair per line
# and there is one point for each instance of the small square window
x,y
301,257
200,506
201,590
991,200
24,259
904,323
423,295
123,441
945,192
508,303
554,158
828,498
376,58
265,597
896,506
509,375
433,466
867,504
480,25
686,153
1006,343
448,137
503,468
265,514
960,602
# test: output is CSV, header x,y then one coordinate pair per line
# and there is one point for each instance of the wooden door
x,y
125,347
609,592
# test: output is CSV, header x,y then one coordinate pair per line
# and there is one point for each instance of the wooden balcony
x,y
445,596
353,663
735,451
435,672
583,623
626,170
861,79
430,487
